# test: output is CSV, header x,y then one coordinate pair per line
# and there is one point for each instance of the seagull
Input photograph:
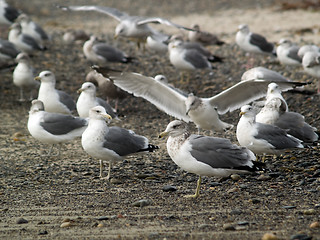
x,y
8,14
263,138
23,42
293,123
106,87
111,143
54,100
287,53
206,156
73,35
133,27
311,65
252,42
32,29
53,128
8,50
203,37
23,75
88,100
103,53
263,73
158,42
308,48
202,111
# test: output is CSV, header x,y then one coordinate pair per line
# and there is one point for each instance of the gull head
x,y
88,87
244,28
99,113
174,129
121,30
36,106
192,103
247,111
285,43
273,88
46,76
161,78
22,57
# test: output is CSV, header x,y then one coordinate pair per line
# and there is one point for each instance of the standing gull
x,y
263,138
54,100
53,128
133,27
202,111
102,53
111,143
203,37
88,100
311,65
8,14
23,75
22,41
287,53
32,29
206,156
252,42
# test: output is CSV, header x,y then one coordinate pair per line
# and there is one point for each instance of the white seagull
x,y
204,112
54,100
111,143
206,156
287,53
53,128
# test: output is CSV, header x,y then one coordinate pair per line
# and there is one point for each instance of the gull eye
x,y
47,75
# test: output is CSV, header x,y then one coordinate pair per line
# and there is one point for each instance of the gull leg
x,y
109,170
21,99
101,166
49,152
197,193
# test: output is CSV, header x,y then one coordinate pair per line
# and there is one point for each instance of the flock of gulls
x,y
265,127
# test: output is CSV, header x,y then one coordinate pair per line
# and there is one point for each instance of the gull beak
x,y
115,36
79,90
242,113
37,78
107,117
163,134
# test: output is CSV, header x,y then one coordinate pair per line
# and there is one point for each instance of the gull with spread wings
x,y
134,27
204,112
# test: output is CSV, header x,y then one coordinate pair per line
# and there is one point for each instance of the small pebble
x,y
142,203
65,224
264,177
269,236
66,220
300,237
309,212
233,190
235,177
100,225
315,225
168,188
228,227
288,207
43,232
115,181
255,200
22,221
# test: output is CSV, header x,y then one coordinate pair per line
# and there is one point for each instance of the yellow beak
x,y
241,113
107,116
163,134
37,78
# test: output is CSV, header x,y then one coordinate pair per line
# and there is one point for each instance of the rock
x,y
169,188
228,227
66,220
269,236
263,177
43,232
255,200
214,184
300,237
100,225
65,224
288,207
142,203
115,181
206,226
309,212
233,190
22,221
315,225
243,223
235,177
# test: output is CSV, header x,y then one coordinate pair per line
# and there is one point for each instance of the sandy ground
x,y
49,192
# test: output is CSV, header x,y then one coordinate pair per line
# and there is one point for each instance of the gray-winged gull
x,y
253,42
103,53
54,100
53,128
32,29
263,138
8,14
311,65
22,41
287,53
23,76
106,87
206,156
204,112
111,143
158,42
88,100
263,73
308,48
134,27
203,37
75,35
